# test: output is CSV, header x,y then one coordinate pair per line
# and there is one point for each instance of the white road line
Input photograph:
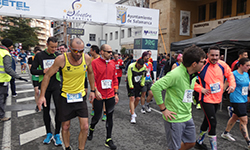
x,y
32,135
25,113
19,81
25,99
155,110
6,141
24,91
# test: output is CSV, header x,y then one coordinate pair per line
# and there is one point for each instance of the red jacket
x,y
105,72
118,63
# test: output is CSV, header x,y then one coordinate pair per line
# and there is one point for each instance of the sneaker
x,y
230,111
194,101
134,113
24,71
198,106
4,119
21,71
48,138
36,109
92,113
90,134
68,148
227,137
104,117
148,109
143,110
133,119
57,140
200,146
109,143
15,95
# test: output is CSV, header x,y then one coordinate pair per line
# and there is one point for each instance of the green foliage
x,y
19,31
123,51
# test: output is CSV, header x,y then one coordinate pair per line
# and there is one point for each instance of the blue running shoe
x,y
57,140
48,138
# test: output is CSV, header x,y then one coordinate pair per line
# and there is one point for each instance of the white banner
x,y
185,23
81,10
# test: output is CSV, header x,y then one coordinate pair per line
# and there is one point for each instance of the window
x,y
111,36
227,7
91,37
241,6
202,13
129,32
212,10
106,36
116,35
122,34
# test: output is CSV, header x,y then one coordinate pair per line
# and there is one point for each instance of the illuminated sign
x,y
75,31
146,44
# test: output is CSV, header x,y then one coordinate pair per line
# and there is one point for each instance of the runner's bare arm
x,y
90,77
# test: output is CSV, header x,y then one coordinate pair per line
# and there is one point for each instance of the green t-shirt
x,y
175,83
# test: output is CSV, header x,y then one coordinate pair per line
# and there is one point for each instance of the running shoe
x,y
227,137
194,101
90,134
21,71
15,95
198,106
148,109
57,140
48,138
92,113
143,110
24,71
36,109
104,117
134,113
230,111
4,119
133,121
200,146
109,143
69,148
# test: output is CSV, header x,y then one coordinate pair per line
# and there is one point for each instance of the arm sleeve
x,y
115,80
130,82
7,67
229,75
35,65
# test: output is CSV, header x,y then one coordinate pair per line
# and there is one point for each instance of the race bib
x,y
72,98
188,96
244,90
215,88
117,66
106,84
137,78
48,63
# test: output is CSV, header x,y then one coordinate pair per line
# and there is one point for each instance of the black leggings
x,y
109,105
209,121
46,116
119,80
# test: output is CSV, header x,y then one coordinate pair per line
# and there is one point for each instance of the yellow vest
x,y
73,77
4,77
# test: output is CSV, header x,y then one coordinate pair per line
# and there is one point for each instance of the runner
x,y
22,57
177,110
210,90
239,101
179,61
107,84
73,97
135,83
35,78
119,66
41,64
63,48
149,80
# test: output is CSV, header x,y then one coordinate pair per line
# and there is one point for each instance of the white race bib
x,y
106,84
48,63
215,88
72,98
137,78
244,90
188,96
117,66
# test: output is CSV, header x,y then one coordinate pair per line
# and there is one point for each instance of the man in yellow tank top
x,y
73,97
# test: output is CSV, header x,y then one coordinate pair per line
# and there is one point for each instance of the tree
x,y
123,50
19,31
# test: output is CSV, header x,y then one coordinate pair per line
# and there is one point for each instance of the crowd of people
x,y
64,73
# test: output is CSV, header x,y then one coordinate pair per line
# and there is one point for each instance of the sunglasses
x,y
108,51
77,51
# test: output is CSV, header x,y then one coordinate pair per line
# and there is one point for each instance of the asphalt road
x,y
25,131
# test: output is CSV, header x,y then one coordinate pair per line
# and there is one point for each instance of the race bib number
x,y
137,78
106,84
215,88
245,90
117,66
72,98
48,63
188,96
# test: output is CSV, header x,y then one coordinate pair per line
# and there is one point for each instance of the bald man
x,y
73,104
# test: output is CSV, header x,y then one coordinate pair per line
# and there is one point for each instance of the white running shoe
x,y
143,110
148,109
133,119
227,137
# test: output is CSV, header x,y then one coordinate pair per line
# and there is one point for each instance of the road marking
x,y
25,99
155,110
6,141
24,91
25,113
32,135
19,81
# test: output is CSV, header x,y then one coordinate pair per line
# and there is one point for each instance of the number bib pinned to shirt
x,y
106,84
47,63
215,88
188,96
244,90
137,78
117,66
72,98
